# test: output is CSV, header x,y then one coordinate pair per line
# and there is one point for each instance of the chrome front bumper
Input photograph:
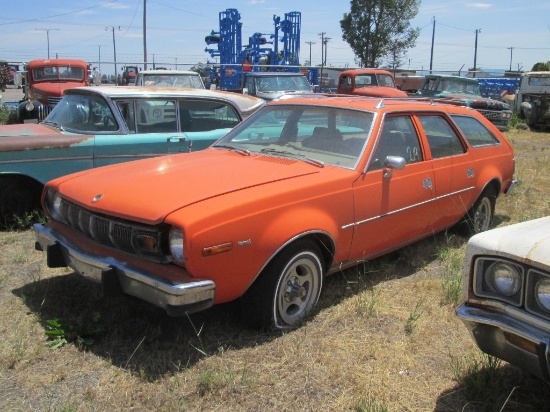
x,y
509,339
116,275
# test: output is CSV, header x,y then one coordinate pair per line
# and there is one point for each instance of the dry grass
x,y
385,337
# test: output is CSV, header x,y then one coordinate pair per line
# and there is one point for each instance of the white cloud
x,y
479,5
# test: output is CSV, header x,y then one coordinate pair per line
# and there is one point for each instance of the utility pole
x,y
144,34
325,42
322,49
310,43
322,58
47,38
475,50
432,52
99,57
114,50
511,54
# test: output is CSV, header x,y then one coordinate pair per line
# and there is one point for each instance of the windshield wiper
x,y
244,152
303,157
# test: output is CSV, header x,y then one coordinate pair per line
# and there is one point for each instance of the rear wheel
x,y
17,199
287,290
480,217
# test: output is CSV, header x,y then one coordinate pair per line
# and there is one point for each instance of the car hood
x,y
32,136
273,95
53,89
150,189
476,102
528,242
379,91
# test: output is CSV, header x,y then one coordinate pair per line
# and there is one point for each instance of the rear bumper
x,y
507,338
116,275
510,188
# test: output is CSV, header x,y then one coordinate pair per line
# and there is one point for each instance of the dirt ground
x,y
11,94
383,338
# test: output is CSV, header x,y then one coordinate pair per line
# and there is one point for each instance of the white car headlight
x,y
177,244
505,278
542,292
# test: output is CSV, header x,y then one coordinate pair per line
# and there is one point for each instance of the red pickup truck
x,y
368,82
47,79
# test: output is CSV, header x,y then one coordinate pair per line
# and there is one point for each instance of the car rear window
x,y
475,132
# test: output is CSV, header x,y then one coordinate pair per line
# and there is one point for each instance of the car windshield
x,y
320,135
282,84
58,73
458,86
173,80
83,113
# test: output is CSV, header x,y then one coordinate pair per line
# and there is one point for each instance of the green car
x,y
97,126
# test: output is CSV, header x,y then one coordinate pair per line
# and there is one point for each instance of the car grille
x,y
148,242
491,114
52,101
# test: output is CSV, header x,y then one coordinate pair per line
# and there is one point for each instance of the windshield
x,y
69,73
364,80
282,84
456,86
83,114
173,80
320,135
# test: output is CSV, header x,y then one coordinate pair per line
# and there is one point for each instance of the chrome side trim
x,y
393,212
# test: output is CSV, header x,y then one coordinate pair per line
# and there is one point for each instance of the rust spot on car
x,y
20,143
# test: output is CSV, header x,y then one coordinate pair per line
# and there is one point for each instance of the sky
x,y
510,33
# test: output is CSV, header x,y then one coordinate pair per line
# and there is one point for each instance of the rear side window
x,y
476,133
442,139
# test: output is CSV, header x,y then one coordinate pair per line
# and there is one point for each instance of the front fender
x,y
31,110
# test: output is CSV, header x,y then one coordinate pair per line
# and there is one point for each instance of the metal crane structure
x,y
278,51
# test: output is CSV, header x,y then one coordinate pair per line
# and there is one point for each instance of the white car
x,y
507,294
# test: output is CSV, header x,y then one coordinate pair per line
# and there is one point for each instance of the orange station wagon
x,y
303,188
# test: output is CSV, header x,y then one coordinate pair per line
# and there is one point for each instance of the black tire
x,y
480,217
533,117
16,200
287,289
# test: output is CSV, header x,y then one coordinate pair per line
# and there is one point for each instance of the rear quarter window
x,y
442,139
475,132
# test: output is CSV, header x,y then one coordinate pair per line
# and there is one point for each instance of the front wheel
x,y
287,290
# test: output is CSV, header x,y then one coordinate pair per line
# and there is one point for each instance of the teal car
x,y
97,126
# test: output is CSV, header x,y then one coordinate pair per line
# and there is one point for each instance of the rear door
x,y
454,170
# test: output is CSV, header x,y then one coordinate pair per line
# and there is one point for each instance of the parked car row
x,y
301,189
236,199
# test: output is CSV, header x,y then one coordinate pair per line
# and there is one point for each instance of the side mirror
x,y
392,163
245,90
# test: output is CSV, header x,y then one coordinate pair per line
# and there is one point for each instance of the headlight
x,y
505,278
176,244
54,205
542,292
497,278
29,106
